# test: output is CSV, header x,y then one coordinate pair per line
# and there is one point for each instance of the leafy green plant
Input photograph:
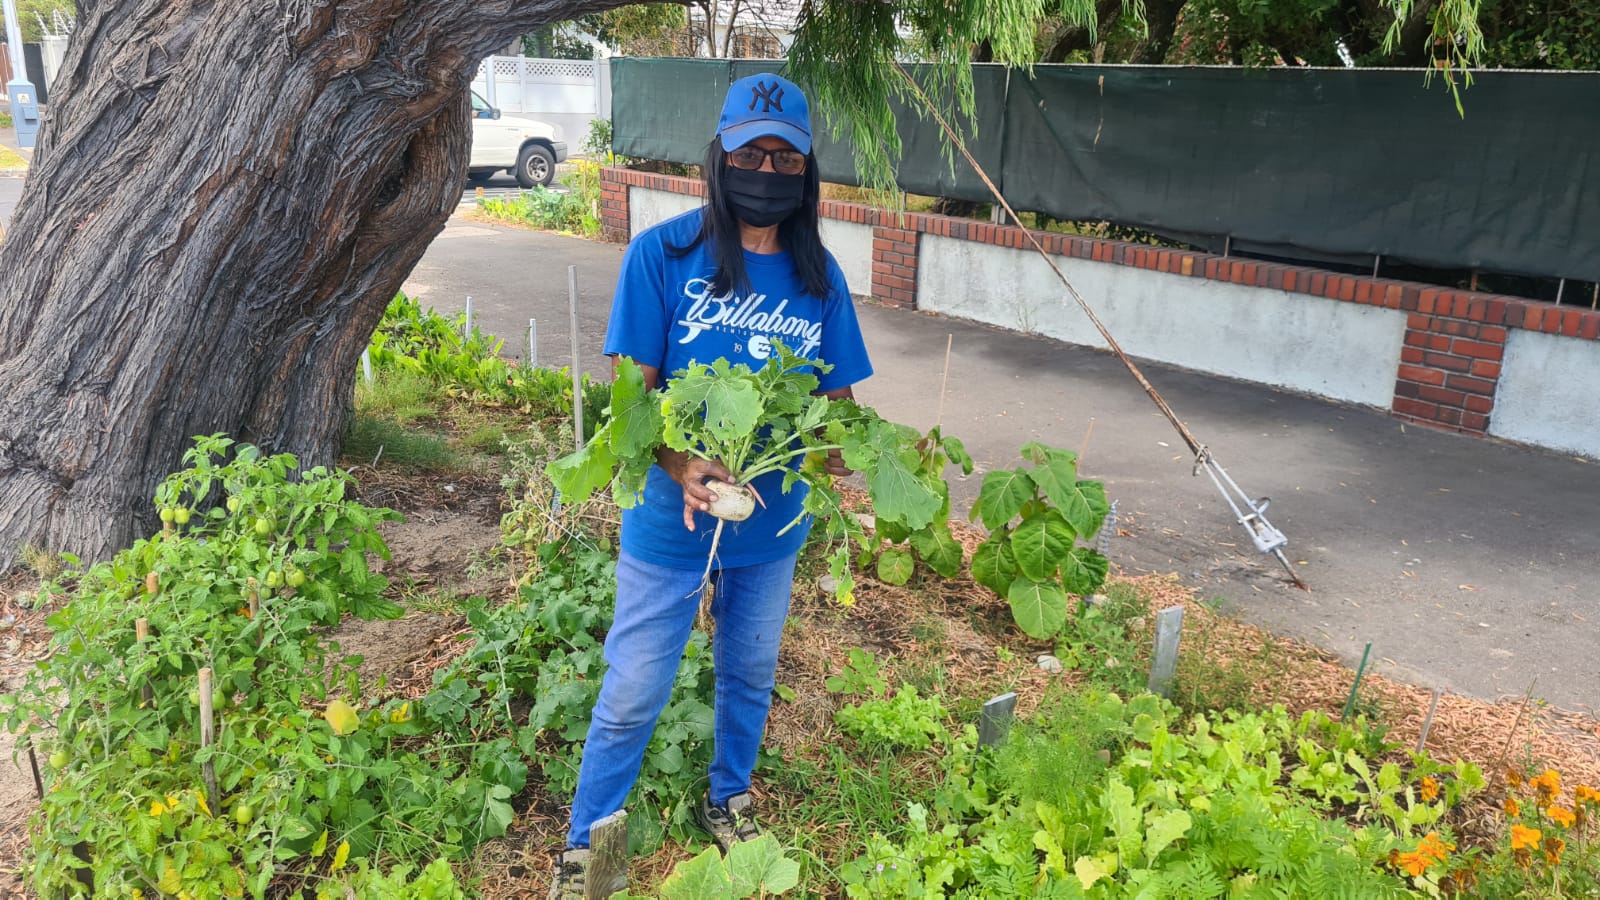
x,y
759,422
1035,517
907,721
1102,640
312,777
862,676
757,868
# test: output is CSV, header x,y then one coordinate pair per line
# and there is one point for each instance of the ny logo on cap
x,y
770,96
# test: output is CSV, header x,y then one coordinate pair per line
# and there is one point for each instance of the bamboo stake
x,y
1526,698
141,633
208,769
944,380
33,763
1083,448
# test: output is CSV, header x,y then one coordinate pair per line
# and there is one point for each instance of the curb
x,y
13,173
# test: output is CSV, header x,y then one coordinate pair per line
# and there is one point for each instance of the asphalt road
x,y
1468,563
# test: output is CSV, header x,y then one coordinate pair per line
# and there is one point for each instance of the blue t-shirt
x,y
665,316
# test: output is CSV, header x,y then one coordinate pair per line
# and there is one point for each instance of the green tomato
x,y
168,514
219,698
274,578
194,696
263,526
295,578
242,814
59,760
140,755
181,515
233,504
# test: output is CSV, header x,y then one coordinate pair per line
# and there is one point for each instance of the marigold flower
x,y
1523,836
1548,784
1415,863
1552,849
1512,807
1523,857
1432,846
1514,777
1560,815
1586,794
1430,789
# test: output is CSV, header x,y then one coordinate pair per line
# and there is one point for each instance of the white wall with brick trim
x,y
1547,393
647,207
1344,351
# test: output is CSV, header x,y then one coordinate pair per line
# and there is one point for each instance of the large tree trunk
x,y
224,198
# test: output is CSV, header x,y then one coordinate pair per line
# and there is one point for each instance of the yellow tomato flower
x,y
1560,815
1522,836
1430,789
156,809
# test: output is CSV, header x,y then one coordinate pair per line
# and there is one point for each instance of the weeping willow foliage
x,y
848,54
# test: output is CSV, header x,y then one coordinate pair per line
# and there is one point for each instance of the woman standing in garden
x,y
723,281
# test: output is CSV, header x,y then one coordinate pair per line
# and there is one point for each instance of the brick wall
x,y
1454,343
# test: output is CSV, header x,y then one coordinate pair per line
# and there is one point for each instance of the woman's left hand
x,y
835,464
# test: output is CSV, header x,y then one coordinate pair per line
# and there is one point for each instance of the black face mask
x,y
763,198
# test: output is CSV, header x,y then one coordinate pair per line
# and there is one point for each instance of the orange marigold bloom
x,y
1514,777
1560,815
1415,863
1586,794
1552,849
1548,784
1512,807
1431,846
1430,789
1523,836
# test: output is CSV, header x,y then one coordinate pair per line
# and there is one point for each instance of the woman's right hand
x,y
691,473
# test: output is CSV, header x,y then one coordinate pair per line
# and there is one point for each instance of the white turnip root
x,y
734,503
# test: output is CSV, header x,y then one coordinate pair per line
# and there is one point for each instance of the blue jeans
x,y
656,607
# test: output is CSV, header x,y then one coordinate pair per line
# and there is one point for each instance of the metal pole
x,y
466,328
994,720
1164,662
1377,260
1561,288
533,343
1227,244
577,372
366,365
1427,724
19,69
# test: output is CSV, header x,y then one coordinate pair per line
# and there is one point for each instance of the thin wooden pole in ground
x,y
141,633
208,769
255,612
608,856
1164,663
1083,449
944,380
33,763
1427,723
577,373
1526,698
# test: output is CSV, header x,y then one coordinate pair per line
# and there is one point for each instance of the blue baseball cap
x,y
765,106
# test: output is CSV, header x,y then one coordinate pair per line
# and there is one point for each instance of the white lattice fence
x,y
567,93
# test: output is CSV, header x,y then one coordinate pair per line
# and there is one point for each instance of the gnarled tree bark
x,y
224,198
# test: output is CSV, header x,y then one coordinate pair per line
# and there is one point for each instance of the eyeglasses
x,y
784,162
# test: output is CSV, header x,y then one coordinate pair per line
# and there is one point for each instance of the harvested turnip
x,y
734,503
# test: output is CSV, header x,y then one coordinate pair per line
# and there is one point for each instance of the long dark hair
x,y
719,229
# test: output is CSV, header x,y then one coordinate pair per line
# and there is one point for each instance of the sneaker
x,y
729,825
569,879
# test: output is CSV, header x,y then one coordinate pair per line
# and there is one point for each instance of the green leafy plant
x,y
1035,517
907,721
862,676
759,422
757,868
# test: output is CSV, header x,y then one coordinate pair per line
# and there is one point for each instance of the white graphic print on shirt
x,y
744,316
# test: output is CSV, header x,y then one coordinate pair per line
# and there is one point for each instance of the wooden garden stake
x,y
1164,664
1526,698
1350,701
33,763
944,380
255,611
994,722
1083,449
608,855
1427,723
577,373
141,633
208,769
152,583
